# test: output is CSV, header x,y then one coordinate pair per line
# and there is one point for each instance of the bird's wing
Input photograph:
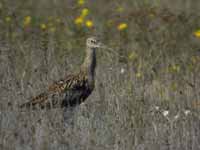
x,y
70,82
40,100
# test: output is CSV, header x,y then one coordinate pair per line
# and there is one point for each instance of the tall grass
x,y
147,88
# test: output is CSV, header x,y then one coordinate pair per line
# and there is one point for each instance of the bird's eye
x,y
93,41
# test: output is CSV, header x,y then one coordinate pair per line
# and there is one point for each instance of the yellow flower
x,y
27,20
7,19
176,68
58,20
84,12
79,21
120,9
81,2
138,75
43,26
122,26
132,56
89,24
197,33
52,29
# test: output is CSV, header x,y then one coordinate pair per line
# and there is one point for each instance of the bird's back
x,y
68,92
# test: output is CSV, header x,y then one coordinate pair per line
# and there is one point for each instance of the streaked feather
x,y
75,89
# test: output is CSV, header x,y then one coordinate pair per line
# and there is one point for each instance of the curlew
x,y
75,87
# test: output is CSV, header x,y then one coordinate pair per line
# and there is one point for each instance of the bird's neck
x,y
89,63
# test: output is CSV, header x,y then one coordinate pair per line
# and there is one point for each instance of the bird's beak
x,y
101,45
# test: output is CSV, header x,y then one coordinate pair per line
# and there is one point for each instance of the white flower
x,y
110,68
165,113
156,107
122,70
23,74
187,112
176,117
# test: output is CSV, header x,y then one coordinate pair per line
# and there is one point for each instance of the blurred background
x,y
147,93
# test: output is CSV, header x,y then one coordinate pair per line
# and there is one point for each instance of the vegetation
x,y
147,85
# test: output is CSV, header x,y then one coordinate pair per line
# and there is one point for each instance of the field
x,y
146,93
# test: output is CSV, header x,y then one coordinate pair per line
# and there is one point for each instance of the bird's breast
x,y
90,83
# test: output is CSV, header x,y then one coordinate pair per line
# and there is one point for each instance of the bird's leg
x,y
68,116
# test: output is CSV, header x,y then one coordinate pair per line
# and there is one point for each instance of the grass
x,y
147,88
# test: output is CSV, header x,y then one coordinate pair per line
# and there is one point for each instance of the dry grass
x,y
147,92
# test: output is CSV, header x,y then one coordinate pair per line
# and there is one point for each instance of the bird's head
x,y
93,42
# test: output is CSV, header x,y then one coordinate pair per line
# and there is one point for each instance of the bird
x,y
76,87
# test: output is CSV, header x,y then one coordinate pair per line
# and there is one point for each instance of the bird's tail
x,y
25,105
36,101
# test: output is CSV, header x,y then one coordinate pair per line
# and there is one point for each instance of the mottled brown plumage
x,y
75,88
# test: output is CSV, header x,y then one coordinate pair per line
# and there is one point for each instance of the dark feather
x,y
75,89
